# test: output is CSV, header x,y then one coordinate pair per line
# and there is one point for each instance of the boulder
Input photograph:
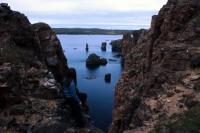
x,y
94,61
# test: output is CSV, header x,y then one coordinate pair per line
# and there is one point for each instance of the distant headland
x,y
89,31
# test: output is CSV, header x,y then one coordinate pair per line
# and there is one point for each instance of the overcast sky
x,y
89,13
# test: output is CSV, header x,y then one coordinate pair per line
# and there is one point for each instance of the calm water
x,y
100,94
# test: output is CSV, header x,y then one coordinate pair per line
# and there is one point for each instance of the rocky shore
x,y
32,65
159,88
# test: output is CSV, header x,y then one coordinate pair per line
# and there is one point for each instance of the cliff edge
x,y
32,66
159,88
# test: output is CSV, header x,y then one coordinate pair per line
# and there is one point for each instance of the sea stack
x,y
87,47
103,46
107,78
94,61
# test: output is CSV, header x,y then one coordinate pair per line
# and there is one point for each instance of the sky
x,y
109,14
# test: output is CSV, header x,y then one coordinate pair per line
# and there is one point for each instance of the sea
x,y
100,93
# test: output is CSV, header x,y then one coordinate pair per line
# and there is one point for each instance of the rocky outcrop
x,y
30,92
51,50
94,61
161,74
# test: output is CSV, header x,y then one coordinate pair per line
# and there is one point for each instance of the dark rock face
x,y
52,50
161,70
103,46
94,61
30,94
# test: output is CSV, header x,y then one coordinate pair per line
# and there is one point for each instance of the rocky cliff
x,y
32,65
159,88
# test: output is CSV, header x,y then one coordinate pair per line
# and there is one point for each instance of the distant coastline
x,y
89,31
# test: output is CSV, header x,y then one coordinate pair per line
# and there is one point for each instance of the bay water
x,y
100,94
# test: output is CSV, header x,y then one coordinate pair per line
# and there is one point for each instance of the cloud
x,y
88,11
42,6
84,6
